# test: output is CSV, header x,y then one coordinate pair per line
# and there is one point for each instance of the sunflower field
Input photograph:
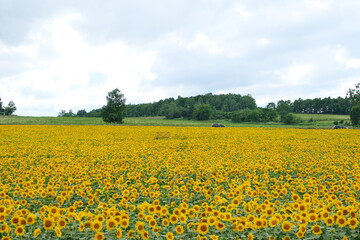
x,y
122,182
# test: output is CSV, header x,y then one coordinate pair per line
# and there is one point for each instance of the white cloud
x,y
200,43
340,56
295,74
241,11
67,72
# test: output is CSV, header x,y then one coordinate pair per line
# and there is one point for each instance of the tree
x,y
246,115
170,110
355,115
114,110
81,113
354,94
10,108
203,112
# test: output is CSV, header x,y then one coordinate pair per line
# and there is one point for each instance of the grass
x,y
308,121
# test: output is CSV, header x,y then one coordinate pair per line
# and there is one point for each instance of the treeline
x,y
239,108
322,105
186,107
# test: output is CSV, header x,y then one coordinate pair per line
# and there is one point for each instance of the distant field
x,y
308,121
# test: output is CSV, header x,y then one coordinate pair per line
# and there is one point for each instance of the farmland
x,y
165,182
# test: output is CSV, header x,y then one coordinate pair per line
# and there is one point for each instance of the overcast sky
x,y
68,54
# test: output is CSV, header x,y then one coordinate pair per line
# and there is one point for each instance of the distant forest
x,y
223,106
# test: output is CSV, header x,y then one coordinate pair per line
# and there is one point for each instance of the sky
x,y
68,54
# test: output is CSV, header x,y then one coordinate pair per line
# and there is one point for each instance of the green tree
x,y
114,110
246,115
284,108
170,110
268,115
10,108
290,118
355,115
354,94
203,112
81,113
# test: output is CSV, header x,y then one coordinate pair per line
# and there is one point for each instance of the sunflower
x,y
182,218
203,228
124,223
15,220
273,221
300,234
152,223
130,233
37,232
58,232
286,226
119,233
61,223
250,236
19,231
30,219
353,223
96,226
140,227
145,235
341,221
220,226
212,220
165,222
110,224
179,229
329,221
316,229
99,236
170,236
48,223
173,218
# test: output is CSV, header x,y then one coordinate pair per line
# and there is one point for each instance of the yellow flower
x,y
170,236
119,233
48,223
179,229
96,226
286,226
37,232
203,228
19,231
316,229
353,223
99,236
140,227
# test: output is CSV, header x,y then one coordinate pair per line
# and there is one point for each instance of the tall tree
x,y
355,115
10,108
114,110
354,94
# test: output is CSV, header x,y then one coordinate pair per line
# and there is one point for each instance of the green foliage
x,y
114,110
355,115
290,119
354,94
322,105
246,115
9,109
222,103
63,113
170,110
203,112
284,107
81,113
268,115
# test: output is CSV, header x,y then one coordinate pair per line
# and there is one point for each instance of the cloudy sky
x,y
69,54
